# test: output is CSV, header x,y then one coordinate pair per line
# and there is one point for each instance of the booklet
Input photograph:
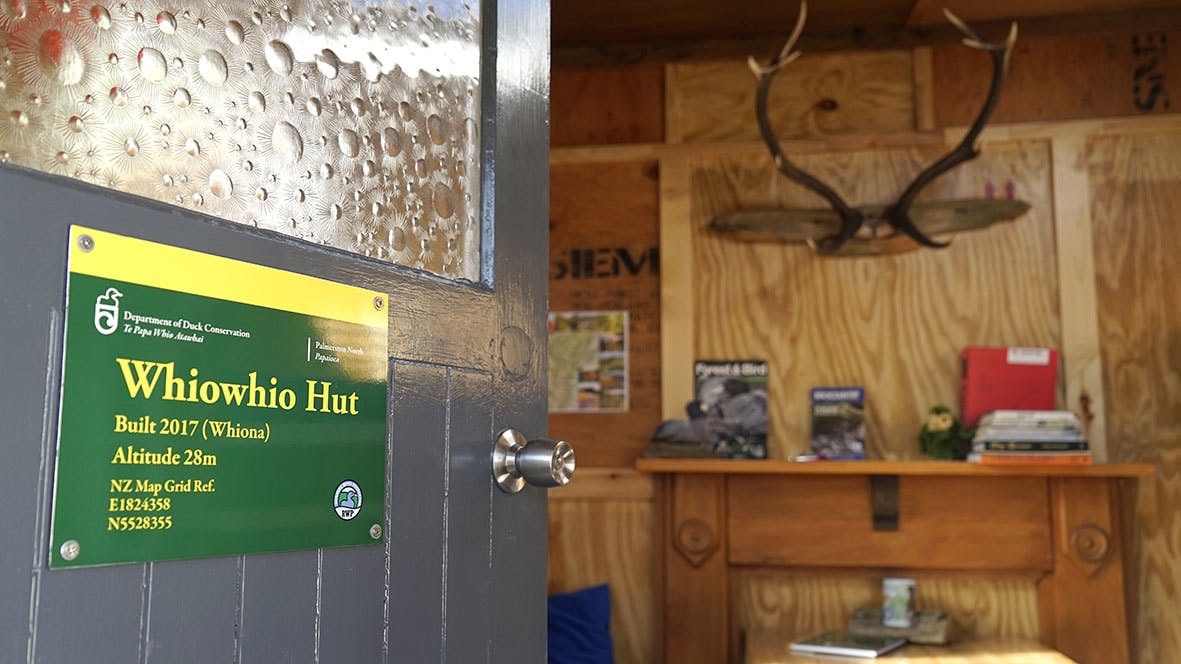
x,y
846,645
838,422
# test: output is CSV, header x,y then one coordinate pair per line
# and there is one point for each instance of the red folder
x,y
1007,378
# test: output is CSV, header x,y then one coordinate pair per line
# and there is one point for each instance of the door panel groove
x,y
319,604
391,396
45,468
145,614
447,441
240,587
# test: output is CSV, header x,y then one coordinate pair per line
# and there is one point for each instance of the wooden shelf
x,y
925,468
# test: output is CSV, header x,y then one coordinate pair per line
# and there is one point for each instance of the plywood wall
x,y
1135,196
594,542
814,96
1063,78
607,105
604,255
894,325
609,212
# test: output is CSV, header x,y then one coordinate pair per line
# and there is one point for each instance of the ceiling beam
x,y
872,38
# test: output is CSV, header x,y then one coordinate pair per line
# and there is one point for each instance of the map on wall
x,y
588,361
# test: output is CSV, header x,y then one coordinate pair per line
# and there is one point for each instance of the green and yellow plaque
x,y
211,406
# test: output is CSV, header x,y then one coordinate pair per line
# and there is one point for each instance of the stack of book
x,y
1023,437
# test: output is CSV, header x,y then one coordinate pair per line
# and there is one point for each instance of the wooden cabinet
x,y
1066,527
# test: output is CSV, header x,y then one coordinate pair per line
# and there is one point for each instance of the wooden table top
x,y
775,648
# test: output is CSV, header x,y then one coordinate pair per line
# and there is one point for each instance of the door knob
x,y
517,461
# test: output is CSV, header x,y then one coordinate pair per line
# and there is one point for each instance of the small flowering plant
x,y
943,437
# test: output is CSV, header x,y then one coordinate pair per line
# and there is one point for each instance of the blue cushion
x,y
580,627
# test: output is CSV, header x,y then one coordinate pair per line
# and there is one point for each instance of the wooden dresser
x,y
1067,527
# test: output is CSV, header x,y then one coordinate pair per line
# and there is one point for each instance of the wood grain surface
x,y
695,593
810,603
607,105
1082,365
609,212
928,12
593,542
1000,524
895,325
1135,195
607,484
901,468
814,96
676,290
1062,78
1084,595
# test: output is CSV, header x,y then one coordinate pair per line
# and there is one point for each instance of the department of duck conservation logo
x,y
346,500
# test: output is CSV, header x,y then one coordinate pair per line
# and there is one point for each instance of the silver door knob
x,y
542,462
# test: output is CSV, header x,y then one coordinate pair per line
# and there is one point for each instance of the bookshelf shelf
x,y
909,468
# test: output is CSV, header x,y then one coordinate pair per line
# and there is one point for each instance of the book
x,y
1017,433
731,400
1001,445
1031,459
847,645
1004,378
1054,429
838,422
1029,417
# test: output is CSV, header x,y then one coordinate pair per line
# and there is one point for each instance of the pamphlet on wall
x,y
588,361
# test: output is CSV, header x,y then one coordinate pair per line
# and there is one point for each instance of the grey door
x,y
461,574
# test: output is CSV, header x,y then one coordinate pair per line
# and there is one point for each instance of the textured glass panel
x,y
351,125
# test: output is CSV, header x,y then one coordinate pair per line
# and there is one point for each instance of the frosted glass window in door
x,y
350,125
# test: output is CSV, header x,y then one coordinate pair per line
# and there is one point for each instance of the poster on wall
x,y
588,361
211,406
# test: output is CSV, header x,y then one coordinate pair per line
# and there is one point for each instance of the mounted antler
x,y
865,223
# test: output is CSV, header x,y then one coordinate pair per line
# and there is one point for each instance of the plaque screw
x,y
375,531
70,549
85,243
378,302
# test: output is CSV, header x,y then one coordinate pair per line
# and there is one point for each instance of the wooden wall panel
x,y
806,603
895,325
1002,524
607,105
1062,78
604,235
593,542
607,24
930,12
814,96
1135,195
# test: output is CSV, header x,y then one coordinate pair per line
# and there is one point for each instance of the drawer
x,y
953,523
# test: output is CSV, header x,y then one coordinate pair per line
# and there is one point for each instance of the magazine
x,y
731,397
846,645
838,422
